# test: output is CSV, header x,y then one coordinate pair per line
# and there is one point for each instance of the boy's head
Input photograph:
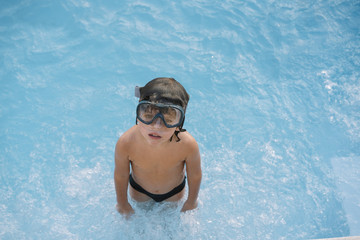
x,y
167,91
161,90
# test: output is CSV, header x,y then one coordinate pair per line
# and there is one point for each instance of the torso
x,y
158,170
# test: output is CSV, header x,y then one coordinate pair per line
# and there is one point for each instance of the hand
x,y
125,210
189,205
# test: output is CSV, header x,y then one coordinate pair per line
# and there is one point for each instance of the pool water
x,y
274,106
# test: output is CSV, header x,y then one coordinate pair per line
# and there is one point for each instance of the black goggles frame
x,y
160,115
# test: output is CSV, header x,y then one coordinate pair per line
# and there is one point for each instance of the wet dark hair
x,y
166,90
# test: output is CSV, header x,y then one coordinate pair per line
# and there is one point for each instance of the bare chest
x,y
159,162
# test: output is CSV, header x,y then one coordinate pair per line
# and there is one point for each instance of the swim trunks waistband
x,y
157,197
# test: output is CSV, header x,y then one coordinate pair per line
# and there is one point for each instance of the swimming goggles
x,y
172,115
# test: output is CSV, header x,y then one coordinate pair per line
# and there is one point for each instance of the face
x,y
156,132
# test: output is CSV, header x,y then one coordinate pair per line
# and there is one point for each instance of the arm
x,y
121,178
194,175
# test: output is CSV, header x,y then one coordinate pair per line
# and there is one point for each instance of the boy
x,y
157,150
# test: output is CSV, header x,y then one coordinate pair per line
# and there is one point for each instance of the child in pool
x,y
157,150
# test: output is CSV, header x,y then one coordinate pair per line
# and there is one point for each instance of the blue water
x,y
274,106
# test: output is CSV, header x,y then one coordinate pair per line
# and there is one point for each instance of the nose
x,y
157,123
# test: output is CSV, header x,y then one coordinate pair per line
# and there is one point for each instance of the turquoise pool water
x,y
275,103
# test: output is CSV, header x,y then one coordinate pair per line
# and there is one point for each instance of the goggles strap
x,y
137,91
177,132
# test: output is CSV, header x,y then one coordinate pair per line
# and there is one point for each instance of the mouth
x,y
154,136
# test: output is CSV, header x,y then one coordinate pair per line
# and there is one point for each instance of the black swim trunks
x,y
157,197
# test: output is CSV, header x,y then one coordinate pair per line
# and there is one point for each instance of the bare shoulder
x,y
189,142
192,159
125,141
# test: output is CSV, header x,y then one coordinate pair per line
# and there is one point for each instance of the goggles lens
x,y
172,115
